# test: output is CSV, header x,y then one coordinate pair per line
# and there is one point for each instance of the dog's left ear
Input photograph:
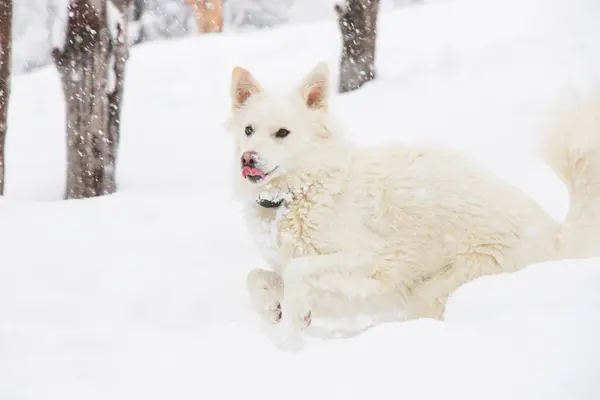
x,y
315,87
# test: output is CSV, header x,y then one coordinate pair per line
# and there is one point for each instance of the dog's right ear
x,y
243,85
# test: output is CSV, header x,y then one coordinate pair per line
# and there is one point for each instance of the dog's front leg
x,y
349,275
266,292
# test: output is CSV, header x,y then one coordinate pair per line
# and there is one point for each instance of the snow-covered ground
x,y
141,295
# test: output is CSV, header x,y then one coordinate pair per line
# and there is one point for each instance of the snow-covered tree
x,y
5,60
358,25
91,64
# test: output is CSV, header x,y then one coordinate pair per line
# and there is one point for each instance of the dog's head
x,y
274,133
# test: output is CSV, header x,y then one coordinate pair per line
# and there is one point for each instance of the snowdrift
x,y
142,294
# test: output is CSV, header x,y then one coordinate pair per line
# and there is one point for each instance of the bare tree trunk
x,y
5,60
139,7
358,25
91,66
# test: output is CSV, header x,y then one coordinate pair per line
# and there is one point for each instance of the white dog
x,y
351,230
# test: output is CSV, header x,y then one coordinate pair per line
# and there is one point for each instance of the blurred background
x,y
163,19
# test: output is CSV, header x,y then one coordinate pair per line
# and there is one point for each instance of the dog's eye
x,y
282,133
249,130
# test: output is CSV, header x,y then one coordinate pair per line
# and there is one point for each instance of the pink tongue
x,y
252,172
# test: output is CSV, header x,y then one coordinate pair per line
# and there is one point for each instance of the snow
x,y
142,294
111,85
116,21
59,26
134,29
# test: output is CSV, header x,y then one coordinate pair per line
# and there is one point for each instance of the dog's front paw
x,y
296,305
267,306
298,320
265,289
271,312
298,315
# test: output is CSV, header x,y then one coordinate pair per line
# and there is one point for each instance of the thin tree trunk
x,y
139,7
358,26
5,60
91,66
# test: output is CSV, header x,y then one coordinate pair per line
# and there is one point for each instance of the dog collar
x,y
269,204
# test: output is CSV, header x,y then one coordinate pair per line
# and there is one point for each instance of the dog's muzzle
x,y
250,170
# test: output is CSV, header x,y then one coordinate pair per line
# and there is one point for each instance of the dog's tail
x,y
572,149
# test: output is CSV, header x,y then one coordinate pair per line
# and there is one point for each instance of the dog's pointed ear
x,y
243,85
316,86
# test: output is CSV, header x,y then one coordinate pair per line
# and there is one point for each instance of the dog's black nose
x,y
249,159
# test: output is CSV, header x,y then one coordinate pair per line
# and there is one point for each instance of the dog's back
x,y
436,220
451,221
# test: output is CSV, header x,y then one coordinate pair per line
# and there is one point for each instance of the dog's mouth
x,y
255,175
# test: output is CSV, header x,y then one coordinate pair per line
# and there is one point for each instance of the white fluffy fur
x,y
388,229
